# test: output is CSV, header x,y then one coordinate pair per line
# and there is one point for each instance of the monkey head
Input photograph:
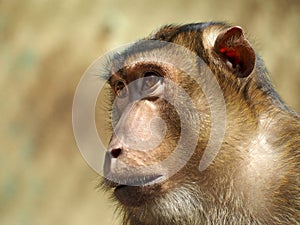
x,y
197,131
162,88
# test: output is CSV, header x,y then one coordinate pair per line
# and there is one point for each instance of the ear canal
x,y
235,50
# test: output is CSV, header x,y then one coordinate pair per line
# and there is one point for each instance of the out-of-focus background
x,y
45,47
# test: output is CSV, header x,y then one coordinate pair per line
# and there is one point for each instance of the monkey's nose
x,y
116,152
110,162
115,147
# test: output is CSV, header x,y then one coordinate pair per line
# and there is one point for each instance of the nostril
x,y
116,152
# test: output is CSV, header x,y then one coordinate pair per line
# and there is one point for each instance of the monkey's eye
x,y
150,80
120,89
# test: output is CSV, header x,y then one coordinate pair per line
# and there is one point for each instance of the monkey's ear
x,y
236,51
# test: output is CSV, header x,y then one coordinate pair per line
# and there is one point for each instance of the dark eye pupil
x,y
150,79
120,90
150,74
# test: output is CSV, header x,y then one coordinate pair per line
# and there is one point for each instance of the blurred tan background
x,y
45,46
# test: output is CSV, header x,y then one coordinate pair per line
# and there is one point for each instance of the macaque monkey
x,y
254,179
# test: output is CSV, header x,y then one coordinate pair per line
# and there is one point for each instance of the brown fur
x,y
255,177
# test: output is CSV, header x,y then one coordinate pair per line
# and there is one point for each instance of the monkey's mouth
x,y
139,181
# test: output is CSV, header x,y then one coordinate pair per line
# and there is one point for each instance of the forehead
x,y
165,58
141,56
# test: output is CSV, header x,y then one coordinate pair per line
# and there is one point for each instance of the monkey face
x,y
147,128
165,100
161,115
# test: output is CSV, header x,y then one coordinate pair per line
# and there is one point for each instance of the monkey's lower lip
x,y
140,181
136,195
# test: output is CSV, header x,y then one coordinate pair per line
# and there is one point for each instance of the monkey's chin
x,y
135,196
